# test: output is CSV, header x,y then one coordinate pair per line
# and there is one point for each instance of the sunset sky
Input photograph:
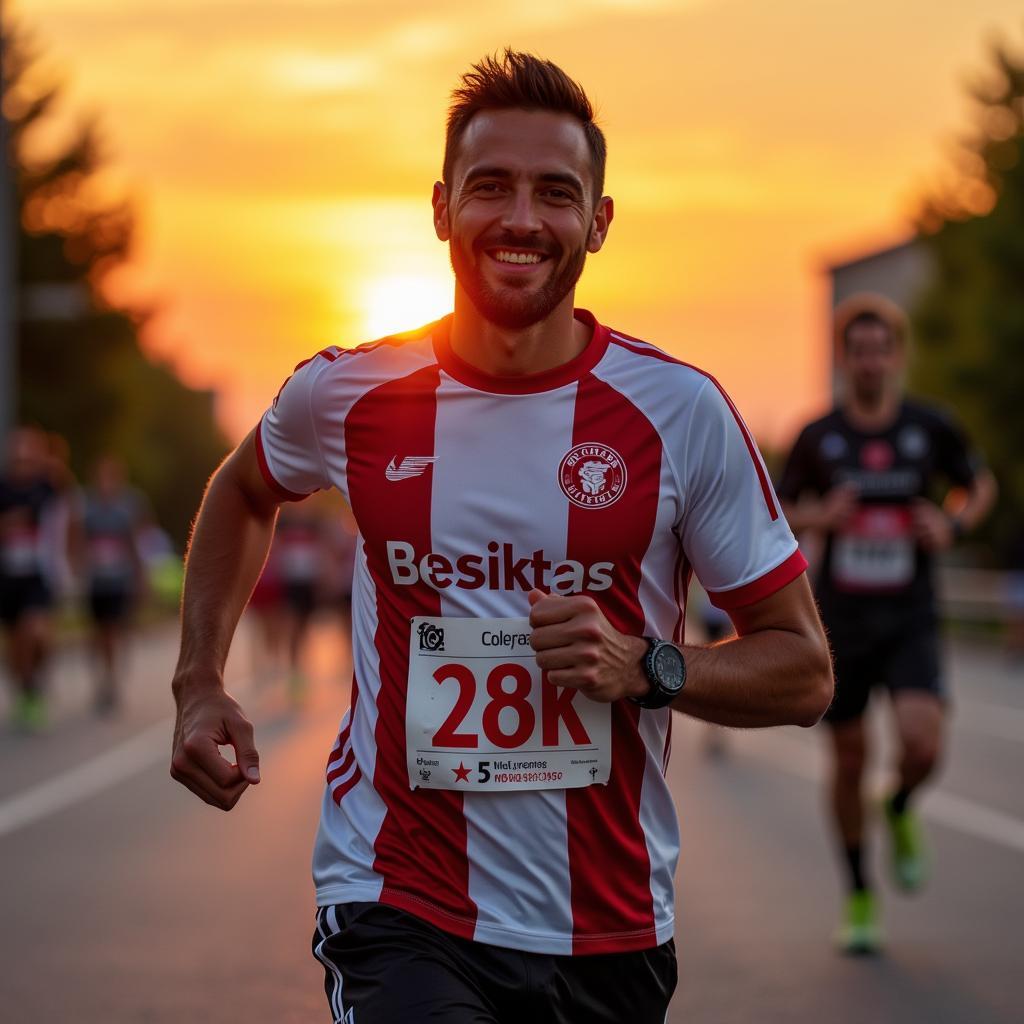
x,y
281,157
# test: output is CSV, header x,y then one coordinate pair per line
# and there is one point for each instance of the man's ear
x,y
440,203
602,221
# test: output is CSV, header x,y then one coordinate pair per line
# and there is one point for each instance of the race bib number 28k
x,y
480,717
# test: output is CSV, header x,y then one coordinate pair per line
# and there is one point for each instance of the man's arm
x,y
964,508
800,490
776,671
227,551
823,514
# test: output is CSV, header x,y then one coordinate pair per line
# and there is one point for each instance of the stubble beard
x,y
870,394
510,307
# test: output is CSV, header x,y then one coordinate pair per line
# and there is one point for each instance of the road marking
x,y
89,778
966,816
975,819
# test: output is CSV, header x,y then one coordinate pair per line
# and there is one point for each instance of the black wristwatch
x,y
956,525
665,669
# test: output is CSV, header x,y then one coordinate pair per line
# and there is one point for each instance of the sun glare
x,y
401,302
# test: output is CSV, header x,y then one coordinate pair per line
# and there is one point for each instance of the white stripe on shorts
x,y
327,927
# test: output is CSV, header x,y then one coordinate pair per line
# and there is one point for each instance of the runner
x,y
112,517
302,561
269,621
863,476
532,491
27,500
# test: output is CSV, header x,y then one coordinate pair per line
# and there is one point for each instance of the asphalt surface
x,y
125,899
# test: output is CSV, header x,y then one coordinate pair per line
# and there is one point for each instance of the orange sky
x,y
281,155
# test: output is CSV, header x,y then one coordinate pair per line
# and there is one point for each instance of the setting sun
x,y
283,188
400,302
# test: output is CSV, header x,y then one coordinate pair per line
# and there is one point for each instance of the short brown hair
x,y
867,309
522,81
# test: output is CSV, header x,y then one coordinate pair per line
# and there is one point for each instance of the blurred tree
x,y
969,324
81,371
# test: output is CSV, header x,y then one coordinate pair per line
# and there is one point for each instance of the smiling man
x,y
497,838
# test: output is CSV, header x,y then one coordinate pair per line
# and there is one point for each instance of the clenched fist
x,y
578,647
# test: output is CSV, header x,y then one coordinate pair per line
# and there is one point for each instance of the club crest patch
x,y
592,475
877,456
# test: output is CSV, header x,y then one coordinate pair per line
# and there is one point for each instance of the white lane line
x,y
89,778
966,816
974,819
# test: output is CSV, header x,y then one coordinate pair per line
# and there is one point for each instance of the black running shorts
x,y
109,606
385,966
21,595
888,645
301,598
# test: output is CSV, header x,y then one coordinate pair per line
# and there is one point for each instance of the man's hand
x,y
837,506
205,722
578,647
932,527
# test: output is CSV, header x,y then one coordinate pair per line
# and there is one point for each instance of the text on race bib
x,y
876,550
481,716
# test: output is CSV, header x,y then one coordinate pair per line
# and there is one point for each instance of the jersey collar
x,y
526,384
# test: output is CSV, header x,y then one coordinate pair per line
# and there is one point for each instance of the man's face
x,y
26,454
872,361
109,475
519,213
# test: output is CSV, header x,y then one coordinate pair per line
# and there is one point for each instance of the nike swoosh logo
x,y
411,465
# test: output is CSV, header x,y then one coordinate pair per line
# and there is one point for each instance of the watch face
x,y
669,667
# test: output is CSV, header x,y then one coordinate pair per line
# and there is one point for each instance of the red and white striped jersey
x,y
616,476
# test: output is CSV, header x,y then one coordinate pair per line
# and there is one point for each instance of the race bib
x,y
109,554
876,550
480,717
19,552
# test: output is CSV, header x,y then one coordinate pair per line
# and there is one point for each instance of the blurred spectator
x,y
30,528
112,517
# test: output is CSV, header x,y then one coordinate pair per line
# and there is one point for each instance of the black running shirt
x,y
875,552
22,507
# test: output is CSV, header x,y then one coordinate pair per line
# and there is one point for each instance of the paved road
x,y
124,899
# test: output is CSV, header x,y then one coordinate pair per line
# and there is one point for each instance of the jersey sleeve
x,y
798,473
287,445
733,531
957,457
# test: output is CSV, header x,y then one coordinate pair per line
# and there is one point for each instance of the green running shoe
x,y
860,933
30,713
909,852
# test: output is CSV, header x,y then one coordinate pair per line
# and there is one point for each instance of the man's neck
x,y
502,352
872,417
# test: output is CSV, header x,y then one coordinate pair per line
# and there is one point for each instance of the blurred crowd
x,y
88,561
93,549
309,567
